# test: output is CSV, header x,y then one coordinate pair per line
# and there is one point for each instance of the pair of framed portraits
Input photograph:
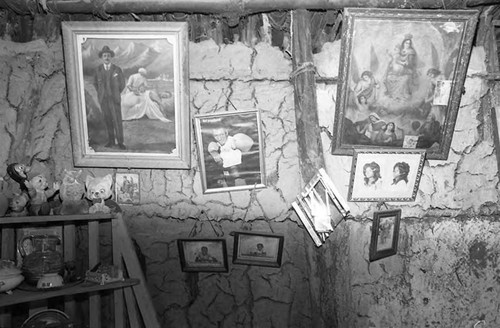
x,y
210,255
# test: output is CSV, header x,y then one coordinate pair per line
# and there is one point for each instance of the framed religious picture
x,y
203,255
128,93
385,234
402,74
385,175
127,188
231,151
261,249
320,207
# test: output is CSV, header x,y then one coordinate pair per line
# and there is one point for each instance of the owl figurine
x,y
71,193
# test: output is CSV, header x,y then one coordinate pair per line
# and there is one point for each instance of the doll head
x,y
18,203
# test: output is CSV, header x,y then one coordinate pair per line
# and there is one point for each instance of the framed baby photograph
x,y
128,93
261,249
401,78
385,234
127,188
385,175
230,150
203,255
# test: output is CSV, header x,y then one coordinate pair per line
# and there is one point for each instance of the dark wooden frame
x,y
376,250
449,51
241,244
187,255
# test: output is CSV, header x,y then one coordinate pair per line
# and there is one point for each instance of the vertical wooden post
x,y
306,113
306,116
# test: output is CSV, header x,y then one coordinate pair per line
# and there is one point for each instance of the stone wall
x,y
444,274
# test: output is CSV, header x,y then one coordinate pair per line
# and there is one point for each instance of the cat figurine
x,y
71,193
99,193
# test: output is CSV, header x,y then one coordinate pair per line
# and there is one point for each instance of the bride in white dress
x,y
136,105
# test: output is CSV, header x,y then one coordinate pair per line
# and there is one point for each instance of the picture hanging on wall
x,y
402,74
385,175
203,255
127,188
231,151
128,93
262,249
320,207
385,234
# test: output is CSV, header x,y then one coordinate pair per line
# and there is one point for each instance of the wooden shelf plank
x,y
21,296
55,218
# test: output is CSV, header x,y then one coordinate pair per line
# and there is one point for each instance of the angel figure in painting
x,y
366,87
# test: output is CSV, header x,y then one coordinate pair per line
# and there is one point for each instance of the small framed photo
x,y
127,188
231,151
203,255
385,234
385,175
320,207
260,249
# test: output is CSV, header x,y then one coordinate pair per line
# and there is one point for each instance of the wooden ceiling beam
x,y
241,7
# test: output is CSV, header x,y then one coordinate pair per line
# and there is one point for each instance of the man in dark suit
x,y
109,83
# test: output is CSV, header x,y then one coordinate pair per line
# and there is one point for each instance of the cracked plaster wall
x,y
444,275
35,124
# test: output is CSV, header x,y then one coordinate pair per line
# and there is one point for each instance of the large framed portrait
x,y
261,249
385,175
402,74
385,234
203,255
128,93
231,151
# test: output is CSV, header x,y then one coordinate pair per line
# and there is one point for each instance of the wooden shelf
x,y
21,296
131,300
55,218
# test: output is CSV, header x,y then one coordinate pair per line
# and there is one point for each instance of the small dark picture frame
x,y
385,234
203,255
261,249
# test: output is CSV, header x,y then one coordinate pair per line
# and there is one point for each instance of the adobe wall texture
x,y
444,275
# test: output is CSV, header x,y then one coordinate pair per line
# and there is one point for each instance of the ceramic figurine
x,y
99,193
72,194
39,191
19,205
18,172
